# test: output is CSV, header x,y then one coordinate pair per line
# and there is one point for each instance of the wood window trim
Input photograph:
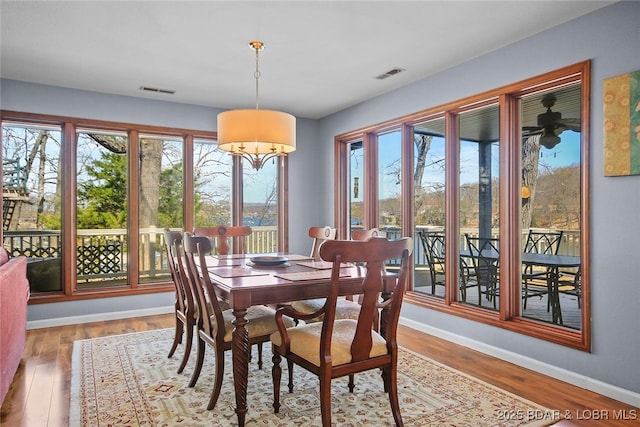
x,y
68,127
508,317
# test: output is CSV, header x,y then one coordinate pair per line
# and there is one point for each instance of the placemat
x,y
318,265
236,272
309,275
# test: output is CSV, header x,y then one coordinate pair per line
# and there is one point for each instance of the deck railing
x,y
102,255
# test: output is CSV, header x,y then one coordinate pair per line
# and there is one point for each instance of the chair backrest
x,y
196,249
173,246
319,235
366,234
222,234
485,255
372,253
433,246
543,242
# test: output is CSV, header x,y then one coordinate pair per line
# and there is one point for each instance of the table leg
x,y
240,351
556,310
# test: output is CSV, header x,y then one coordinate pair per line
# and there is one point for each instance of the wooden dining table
x,y
243,284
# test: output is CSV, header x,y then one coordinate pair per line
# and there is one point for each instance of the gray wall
x,y
609,37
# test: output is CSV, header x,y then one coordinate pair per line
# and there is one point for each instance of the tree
x,y
102,200
530,156
171,202
150,167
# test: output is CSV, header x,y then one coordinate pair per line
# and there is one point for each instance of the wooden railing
x,y
102,255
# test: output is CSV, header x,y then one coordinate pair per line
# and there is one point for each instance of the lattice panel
x,y
36,252
99,259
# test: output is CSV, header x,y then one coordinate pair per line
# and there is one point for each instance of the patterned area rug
x,y
127,380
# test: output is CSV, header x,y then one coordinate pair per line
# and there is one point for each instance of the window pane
x,y
260,206
161,203
390,184
479,205
429,206
102,180
212,184
551,204
32,216
357,185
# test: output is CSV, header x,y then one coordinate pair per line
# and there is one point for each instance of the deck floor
x,y
536,306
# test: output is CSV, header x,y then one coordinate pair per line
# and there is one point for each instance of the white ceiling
x,y
320,56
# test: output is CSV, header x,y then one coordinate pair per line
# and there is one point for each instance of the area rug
x,y
127,380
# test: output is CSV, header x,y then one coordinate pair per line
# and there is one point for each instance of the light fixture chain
x,y
257,76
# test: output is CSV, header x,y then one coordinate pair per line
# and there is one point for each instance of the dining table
x,y
273,280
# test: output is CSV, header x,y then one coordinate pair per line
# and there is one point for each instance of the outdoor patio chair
x,y
537,282
485,258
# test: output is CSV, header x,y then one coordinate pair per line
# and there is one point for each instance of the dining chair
x,y
334,347
366,234
185,306
214,325
319,235
222,235
485,258
537,282
346,308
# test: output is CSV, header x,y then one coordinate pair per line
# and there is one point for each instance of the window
x,y
212,183
32,200
260,206
429,206
102,182
489,174
389,148
479,204
358,183
124,184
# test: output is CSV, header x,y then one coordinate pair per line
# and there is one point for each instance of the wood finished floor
x,y
39,394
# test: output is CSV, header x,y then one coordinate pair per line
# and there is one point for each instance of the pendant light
x,y
256,135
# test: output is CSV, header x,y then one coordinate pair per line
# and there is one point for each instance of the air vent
x,y
390,73
153,89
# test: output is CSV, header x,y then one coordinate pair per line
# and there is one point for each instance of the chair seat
x,y
305,341
260,321
345,309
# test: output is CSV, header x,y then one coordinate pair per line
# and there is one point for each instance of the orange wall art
x,y
622,125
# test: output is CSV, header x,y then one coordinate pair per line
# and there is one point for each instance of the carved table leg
x,y
240,351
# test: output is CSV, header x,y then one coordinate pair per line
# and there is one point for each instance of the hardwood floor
x,y
39,394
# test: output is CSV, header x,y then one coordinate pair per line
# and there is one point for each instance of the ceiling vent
x,y
390,73
153,89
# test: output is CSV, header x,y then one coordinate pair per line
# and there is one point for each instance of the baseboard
x,y
98,317
573,378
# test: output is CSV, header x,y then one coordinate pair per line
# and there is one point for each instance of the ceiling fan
x,y
551,124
